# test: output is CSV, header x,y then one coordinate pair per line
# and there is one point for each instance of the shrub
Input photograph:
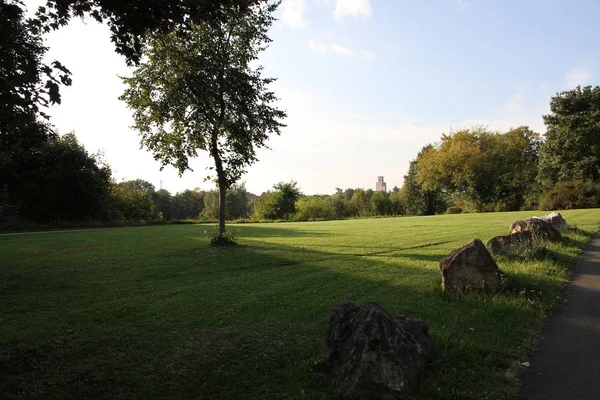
x,y
454,210
569,195
312,208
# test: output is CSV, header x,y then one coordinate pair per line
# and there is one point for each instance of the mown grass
x,y
154,313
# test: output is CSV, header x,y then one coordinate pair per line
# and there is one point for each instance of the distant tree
x,y
287,194
188,204
417,199
163,203
489,171
571,150
381,204
236,201
139,185
58,180
278,204
129,204
201,91
361,200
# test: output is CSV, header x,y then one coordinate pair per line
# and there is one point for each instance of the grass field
x,y
154,313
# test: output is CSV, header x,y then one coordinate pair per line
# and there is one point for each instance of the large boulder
x,y
470,267
373,354
539,228
555,219
511,245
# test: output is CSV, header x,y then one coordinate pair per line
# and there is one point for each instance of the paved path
x,y
63,231
567,365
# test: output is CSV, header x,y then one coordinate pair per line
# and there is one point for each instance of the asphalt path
x,y
567,363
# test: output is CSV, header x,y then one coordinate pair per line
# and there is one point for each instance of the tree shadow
x,y
242,322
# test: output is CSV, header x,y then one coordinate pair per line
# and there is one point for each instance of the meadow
x,y
154,313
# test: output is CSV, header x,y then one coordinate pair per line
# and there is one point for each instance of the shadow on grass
x,y
241,322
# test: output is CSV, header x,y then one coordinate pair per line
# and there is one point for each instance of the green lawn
x,y
154,313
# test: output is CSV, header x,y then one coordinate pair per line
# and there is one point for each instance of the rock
x,y
539,228
470,267
373,354
555,219
511,245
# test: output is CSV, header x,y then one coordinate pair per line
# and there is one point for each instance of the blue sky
x,y
366,84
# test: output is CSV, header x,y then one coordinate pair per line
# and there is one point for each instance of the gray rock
x,y
555,219
470,267
372,354
511,245
539,228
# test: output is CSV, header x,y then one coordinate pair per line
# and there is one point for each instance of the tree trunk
x,y
222,193
222,185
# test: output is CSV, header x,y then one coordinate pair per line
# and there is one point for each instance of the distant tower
x,y
381,185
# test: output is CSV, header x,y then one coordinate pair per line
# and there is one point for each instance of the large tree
x,y
27,84
131,21
202,91
571,150
487,170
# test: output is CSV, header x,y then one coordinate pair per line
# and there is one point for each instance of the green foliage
x,y
454,210
571,151
130,22
314,208
489,171
200,90
381,204
217,239
571,195
188,204
163,203
280,204
56,180
128,202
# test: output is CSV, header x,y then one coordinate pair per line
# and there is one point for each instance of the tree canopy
x,y
487,170
132,21
571,150
201,91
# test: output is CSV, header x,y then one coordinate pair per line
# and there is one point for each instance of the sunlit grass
x,y
154,312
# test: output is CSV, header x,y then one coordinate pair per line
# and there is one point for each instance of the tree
x,y
571,150
489,171
200,91
189,204
57,180
27,84
132,21
418,198
163,203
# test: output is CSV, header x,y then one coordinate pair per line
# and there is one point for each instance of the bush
x,y
314,208
569,195
454,210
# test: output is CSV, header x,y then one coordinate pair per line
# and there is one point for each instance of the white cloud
x,y
322,48
293,13
352,8
318,48
341,50
462,4
578,76
366,55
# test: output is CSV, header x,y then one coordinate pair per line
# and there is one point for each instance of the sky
x,y
366,84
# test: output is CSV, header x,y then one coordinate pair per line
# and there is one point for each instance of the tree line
x,y
197,88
